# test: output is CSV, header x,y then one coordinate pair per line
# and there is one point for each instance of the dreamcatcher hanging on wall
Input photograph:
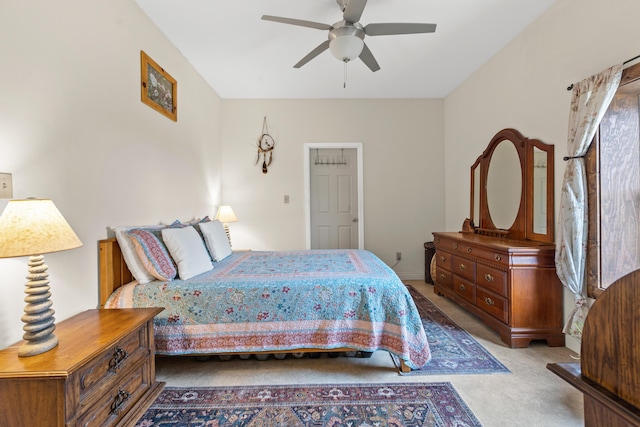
x,y
266,145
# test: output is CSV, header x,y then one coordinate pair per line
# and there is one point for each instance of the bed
x,y
261,302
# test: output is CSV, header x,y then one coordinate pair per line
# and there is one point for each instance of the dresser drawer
x,y
443,259
443,277
114,403
493,304
492,279
489,255
464,288
446,244
104,370
463,267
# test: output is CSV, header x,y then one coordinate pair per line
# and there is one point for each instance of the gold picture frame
x,y
158,89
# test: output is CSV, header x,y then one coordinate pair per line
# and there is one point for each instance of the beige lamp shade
x,y
225,214
34,227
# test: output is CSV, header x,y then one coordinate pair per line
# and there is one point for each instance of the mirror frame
x,y
522,227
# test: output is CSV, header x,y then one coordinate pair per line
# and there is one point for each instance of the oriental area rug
x,y
453,350
333,405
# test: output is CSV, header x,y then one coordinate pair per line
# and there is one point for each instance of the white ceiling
x,y
242,56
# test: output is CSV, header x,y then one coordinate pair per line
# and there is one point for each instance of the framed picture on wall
x,y
158,89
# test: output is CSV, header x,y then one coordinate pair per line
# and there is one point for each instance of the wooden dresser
x,y
501,265
102,373
511,285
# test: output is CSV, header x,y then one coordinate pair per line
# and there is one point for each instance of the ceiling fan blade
x,y
315,52
299,22
368,59
388,29
353,11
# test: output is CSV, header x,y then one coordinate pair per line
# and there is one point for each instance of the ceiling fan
x,y
346,37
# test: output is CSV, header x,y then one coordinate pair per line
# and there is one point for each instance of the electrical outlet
x,y
398,256
6,186
286,198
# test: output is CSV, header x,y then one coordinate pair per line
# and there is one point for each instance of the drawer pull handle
x,y
488,277
462,287
118,357
489,301
498,257
119,401
442,258
443,276
455,246
462,267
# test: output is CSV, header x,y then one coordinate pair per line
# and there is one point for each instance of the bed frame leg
x,y
404,367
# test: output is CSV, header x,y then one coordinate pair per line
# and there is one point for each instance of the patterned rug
x,y
453,350
334,405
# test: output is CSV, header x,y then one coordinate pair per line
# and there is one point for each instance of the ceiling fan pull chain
x,y
344,85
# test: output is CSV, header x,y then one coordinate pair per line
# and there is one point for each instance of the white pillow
x,y
216,239
187,250
129,254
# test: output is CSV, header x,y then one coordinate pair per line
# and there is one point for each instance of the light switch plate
x,y
6,186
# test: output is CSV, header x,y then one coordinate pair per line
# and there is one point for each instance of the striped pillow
x,y
153,254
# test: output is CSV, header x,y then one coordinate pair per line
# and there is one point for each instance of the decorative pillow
x,y
153,254
193,222
216,239
187,250
177,223
132,260
200,221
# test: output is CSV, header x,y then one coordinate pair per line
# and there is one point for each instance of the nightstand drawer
x,y
105,369
112,405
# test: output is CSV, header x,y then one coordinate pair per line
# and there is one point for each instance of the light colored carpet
x,y
530,396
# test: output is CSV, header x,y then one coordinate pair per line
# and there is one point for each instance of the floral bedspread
x,y
286,300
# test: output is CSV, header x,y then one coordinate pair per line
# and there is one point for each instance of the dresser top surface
x,y
495,242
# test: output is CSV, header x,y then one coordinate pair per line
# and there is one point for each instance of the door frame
x,y
307,185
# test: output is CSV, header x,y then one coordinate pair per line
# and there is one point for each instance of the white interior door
x,y
334,198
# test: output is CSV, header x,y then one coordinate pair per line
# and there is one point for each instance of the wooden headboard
x,y
113,270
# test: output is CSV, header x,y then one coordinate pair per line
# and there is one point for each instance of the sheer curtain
x,y
590,100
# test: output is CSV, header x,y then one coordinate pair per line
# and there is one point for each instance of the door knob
x,y
354,220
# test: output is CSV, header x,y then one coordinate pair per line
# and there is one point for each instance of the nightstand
x,y
101,373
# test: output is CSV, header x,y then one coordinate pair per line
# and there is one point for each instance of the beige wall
x,y
73,129
402,150
524,87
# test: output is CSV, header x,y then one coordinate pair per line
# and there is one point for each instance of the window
x,y
613,179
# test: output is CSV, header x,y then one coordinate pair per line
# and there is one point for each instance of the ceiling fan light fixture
x,y
346,47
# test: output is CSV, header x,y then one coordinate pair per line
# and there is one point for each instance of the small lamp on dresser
x,y
226,215
33,227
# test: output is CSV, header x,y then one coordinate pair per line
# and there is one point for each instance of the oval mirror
x,y
504,185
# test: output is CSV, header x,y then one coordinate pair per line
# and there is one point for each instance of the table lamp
x,y
226,215
33,227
